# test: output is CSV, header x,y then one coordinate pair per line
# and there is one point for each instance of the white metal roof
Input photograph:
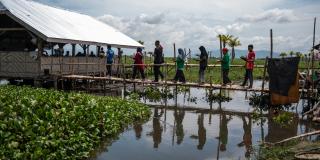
x,y
62,26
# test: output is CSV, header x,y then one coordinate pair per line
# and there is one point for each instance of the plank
x,y
168,83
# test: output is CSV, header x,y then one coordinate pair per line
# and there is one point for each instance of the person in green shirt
x,y
180,66
225,64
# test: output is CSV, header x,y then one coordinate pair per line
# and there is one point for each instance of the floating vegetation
x,y
153,94
216,97
183,89
263,102
284,119
48,124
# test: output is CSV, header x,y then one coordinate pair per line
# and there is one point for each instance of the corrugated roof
x,y
62,26
2,7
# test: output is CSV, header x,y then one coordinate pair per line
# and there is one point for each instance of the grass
x,y
191,73
48,124
236,74
287,151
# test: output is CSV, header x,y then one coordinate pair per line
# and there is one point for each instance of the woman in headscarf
x,y
139,66
203,63
180,65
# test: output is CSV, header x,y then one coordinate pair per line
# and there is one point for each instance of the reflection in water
x,y
201,132
277,132
157,128
190,126
179,116
247,136
137,129
223,134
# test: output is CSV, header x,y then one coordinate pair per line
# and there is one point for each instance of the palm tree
x,y
141,42
234,42
299,54
283,54
291,53
225,39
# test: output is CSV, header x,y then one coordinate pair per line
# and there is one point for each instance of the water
x,y
191,130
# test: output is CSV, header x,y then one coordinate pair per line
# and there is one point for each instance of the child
x,y
139,66
225,62
249,66
180,65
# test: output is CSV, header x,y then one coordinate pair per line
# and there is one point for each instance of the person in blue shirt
x,y
110,55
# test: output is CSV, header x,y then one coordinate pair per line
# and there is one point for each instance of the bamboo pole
x,y
174,54
313,43
271,42
221,74
264,74
296,137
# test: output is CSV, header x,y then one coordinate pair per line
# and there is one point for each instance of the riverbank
x,y
48,124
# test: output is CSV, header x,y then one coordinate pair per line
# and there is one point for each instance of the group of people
x,y
139,66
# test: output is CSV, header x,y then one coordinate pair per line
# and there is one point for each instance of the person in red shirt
x,y
139,66
249,66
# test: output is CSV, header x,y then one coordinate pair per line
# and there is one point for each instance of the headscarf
x,y
181,55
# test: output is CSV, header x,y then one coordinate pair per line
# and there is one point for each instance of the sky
x,y
193,23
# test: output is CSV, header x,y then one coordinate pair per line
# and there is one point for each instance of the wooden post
x,y
166,73
312,54
271,43
124,78
73,50
264,74
40,51
51,57
221,58
87,54
174,54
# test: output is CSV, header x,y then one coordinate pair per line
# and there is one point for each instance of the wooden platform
x,y
163,83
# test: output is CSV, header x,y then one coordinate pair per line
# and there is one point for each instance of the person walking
x,y
138,64
203,62
249,66
158,60
225,64
180,66
110,55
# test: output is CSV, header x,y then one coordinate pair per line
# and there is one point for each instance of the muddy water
x,y
181,129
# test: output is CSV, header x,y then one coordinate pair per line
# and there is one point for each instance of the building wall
x,y
19,65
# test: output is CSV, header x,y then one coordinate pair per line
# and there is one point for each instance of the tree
x,y
291,53
234,42
299,54
283,54
141,42
225,39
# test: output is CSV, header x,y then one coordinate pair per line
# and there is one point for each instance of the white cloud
x,y
169,28
274,15
191,23
238,27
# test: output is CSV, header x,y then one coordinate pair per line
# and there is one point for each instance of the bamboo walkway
x,y
164,83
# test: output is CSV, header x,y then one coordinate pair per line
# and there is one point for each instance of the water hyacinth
x,y
48,124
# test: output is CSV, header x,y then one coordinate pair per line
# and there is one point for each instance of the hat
x,y
225,49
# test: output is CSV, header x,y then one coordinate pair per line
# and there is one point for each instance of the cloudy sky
x,y
191,23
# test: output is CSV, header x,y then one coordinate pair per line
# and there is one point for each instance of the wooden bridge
x,y
164,83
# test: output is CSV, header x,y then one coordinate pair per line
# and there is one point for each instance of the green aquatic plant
x,y
216,97
153,94
48,124
284,119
